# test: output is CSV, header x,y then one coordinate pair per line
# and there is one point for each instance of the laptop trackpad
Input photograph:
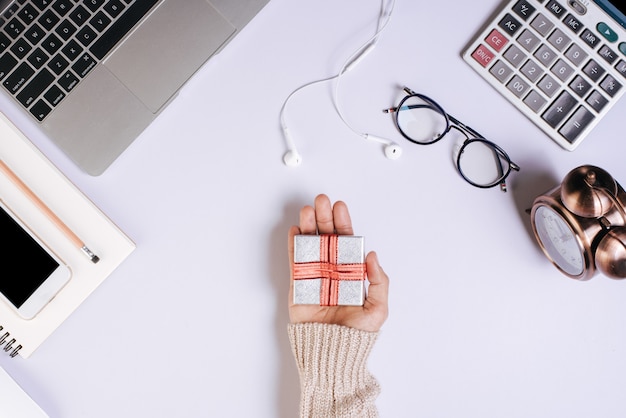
x,y
156,60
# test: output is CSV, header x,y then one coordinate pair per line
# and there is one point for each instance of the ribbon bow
x,y
328,270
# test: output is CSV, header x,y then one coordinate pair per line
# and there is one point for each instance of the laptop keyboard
x,y
48,46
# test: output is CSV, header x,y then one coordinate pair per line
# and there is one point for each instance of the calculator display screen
x,y
615,9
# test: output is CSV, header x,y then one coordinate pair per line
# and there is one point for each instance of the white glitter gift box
x,y
329,270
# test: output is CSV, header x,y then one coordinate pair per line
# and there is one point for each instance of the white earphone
x,y
292,157
392,151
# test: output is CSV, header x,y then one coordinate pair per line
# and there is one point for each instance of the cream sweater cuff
x,y
332,362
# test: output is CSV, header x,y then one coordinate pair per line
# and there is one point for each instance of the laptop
x,y
95,73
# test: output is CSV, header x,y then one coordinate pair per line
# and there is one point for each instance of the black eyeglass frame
x,y
471,136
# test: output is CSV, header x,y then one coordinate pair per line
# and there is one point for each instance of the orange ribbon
x,y
328,270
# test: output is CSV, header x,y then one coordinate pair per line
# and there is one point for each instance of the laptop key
x,y
54,95
51,44
121,27
41,4
62,7
14,28
48,20
114,8
72,50
35,88
40,110
68,81
18,78
84,65
28,14
100,21
80,15
94,4
7,63
38,58
86,35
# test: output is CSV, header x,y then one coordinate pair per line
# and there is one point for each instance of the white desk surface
x,y
193,324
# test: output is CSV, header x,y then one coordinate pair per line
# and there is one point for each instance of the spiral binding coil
x,y
8,344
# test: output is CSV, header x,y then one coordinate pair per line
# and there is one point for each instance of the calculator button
x,y
545,55
515,56
607,32
555,8
593,70
576,55
482,55
523,9
496,40
531,70
609,55
622,48
517,86
579,8
576,124
590,38
548,85
562,70
501,71
573,23
621,67
535,101
542,25
509,24
610,85
580,86
559,109
559,39
597,101
528,40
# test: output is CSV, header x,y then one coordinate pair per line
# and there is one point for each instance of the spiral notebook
x,y
83,217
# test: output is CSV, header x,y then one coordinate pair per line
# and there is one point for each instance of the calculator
x,y
561,63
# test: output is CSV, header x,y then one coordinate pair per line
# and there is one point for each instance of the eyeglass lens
x,y
481,164
421,121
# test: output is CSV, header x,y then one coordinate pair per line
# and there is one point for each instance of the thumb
x,y
378,290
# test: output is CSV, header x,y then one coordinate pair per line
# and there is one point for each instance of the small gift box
x,y
328,270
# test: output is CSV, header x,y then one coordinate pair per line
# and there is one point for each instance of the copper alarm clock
x,y
580,225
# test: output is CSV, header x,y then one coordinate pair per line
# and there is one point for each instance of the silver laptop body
x,y
126,83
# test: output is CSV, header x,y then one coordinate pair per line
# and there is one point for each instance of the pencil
x,y
46,210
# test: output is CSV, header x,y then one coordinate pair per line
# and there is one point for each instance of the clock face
x,y
559,241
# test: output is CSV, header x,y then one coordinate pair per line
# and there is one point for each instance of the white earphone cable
x,y
356,57
351,62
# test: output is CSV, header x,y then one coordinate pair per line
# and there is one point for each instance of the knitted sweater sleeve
x,y
332,363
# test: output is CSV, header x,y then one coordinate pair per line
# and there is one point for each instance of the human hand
x,y
325,218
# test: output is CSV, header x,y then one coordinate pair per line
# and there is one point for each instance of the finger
x,y
307,220
378,291
294,230
341,217
324,215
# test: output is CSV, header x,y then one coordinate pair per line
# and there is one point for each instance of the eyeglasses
x,y
479,161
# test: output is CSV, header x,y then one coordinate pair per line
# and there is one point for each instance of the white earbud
x,y
292,157
392,150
